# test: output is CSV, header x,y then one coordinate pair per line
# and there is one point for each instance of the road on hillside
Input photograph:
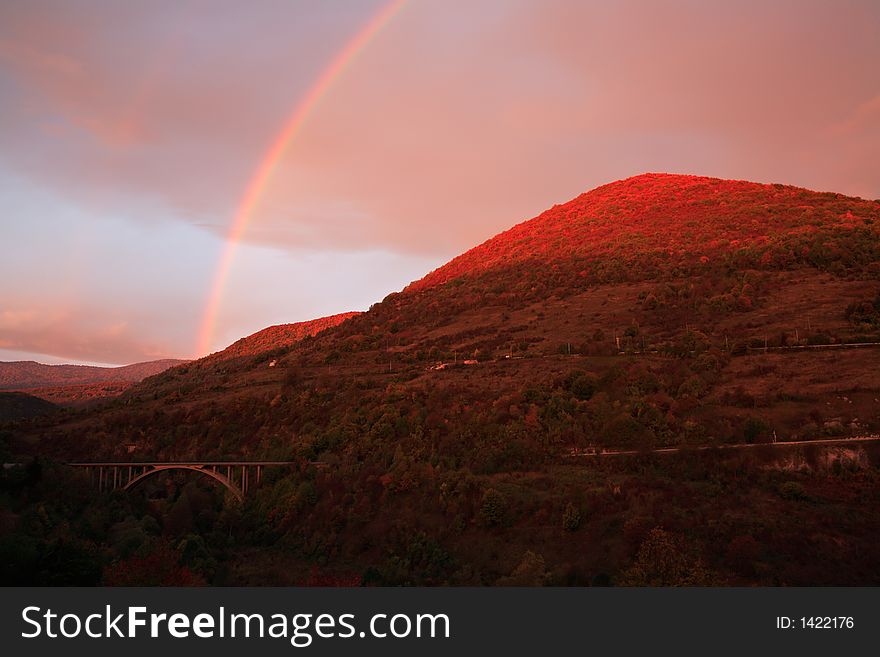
x,y
672,450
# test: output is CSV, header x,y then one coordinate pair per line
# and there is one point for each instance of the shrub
x,y
691,343
693,387
306,495
571,518
493,508
793,490
741,554
864,313
625,431
755,428
583,386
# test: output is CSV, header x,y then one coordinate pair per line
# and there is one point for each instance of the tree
x,y
661,561
493,508
583,386
531,571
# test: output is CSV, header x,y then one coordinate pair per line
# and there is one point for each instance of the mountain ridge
x,y
278,336
28,374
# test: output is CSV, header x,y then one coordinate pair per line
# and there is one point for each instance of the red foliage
x,y
679,219
281,335
161,567
317,577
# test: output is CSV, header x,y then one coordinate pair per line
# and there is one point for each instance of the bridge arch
x,y
223,480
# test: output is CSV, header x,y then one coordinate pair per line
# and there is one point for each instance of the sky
x,y
132,132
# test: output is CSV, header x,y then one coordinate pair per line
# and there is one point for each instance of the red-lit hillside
x,y
654,267
278,337
533,411
663,221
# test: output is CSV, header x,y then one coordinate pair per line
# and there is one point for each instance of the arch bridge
x,y
238,477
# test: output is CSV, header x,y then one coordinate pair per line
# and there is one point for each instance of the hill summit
x,y
660,221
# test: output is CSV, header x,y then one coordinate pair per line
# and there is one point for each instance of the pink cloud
x,y
75,334
444,130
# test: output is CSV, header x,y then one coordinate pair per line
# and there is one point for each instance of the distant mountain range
x,y
25,375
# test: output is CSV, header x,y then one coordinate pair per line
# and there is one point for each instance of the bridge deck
x,y
154,464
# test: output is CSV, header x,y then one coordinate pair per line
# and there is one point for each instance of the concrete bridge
x,y
237,476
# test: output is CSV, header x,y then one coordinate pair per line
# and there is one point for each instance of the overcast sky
x,y
129,132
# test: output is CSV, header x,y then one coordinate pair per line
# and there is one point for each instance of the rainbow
x,y
259,181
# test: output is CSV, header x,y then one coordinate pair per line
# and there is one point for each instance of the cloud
x,y
75,334
865,116
171,101
529,104
446,129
